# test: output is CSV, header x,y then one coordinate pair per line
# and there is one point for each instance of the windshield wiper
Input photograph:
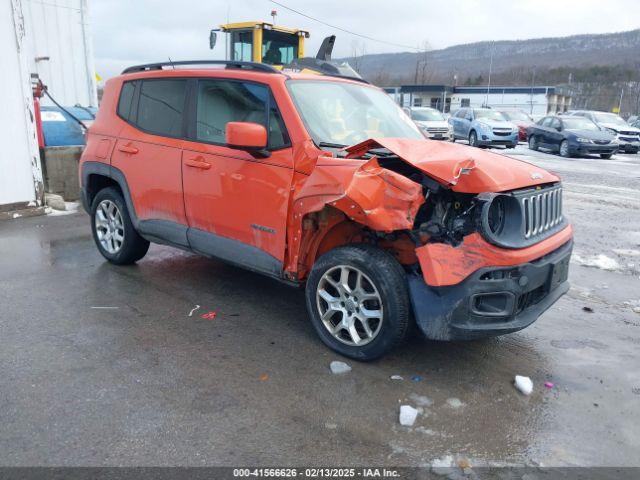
x,y
330,145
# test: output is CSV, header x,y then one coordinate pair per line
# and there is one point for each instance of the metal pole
x,y
533,80
486,100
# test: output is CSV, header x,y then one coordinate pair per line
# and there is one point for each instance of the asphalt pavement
x,y
105,365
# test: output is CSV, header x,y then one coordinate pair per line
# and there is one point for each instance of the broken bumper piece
x,y
493,300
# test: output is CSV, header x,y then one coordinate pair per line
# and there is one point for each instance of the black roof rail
x,y
258,67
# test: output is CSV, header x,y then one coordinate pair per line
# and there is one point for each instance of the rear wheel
x,y
473,139
533,143
358,301
606,156
564,149
113,231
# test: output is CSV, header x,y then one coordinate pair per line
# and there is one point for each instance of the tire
x,y
533,143
114,234
473,138
564,149
373,273
606,156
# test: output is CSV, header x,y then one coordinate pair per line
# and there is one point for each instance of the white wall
x,y
20,174
534,104
58,29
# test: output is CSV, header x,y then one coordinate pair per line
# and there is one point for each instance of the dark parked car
x,y
571,136
521,119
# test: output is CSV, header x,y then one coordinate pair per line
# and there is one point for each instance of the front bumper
x,y
493,300
489,138
628,146
593,149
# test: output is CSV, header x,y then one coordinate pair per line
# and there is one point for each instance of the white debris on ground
x,y
408,415
524,384
421,400
339,367
455,403
70,208
16,215
626,252
396,377
443,462
600,261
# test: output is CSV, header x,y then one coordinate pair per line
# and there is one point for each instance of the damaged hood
x,y
464,169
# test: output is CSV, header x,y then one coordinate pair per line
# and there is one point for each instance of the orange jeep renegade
x,y
325,182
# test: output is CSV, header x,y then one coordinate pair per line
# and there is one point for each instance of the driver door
x,y
235,202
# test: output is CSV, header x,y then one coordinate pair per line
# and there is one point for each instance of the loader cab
x,y
264,42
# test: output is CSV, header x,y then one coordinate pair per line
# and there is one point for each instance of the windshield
x,y
426,115
489,114
516,115
578,123
344,113
609,118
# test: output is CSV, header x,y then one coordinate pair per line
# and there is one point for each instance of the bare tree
x,y
422,63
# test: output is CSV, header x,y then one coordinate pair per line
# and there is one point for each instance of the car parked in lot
x,y
628,136
521,119
325,183
431,122
571,136
483,127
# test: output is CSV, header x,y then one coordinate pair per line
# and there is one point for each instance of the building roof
x,y
535,89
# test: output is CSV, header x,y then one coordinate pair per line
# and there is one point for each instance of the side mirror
x,y
251,137
212,39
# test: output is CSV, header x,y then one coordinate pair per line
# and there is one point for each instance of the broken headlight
x,y
501,219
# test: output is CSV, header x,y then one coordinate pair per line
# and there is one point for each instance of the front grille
x,y
629,134
542,210
437,130
601,142
629,139
503,132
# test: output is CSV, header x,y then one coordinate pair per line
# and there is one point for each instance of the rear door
x,y
545,132
555,134
236,202
148,154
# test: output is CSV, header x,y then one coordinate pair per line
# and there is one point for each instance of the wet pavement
x,y
102,365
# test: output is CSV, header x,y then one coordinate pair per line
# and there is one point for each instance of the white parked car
x,y
628,137
432,123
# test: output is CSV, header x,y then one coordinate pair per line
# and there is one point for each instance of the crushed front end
x,y
492,245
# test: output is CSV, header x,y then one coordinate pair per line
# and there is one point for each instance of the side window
x,y
465,102
461,113
555,123
546,122
161,106
222,101
126,99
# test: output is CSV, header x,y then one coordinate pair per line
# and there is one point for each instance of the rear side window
x,y
223,101
126,99
161,107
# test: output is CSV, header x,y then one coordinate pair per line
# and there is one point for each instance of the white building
x,y
535,100
51,40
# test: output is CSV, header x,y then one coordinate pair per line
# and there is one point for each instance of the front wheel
x,y
473,139
564,149
358,301
113,231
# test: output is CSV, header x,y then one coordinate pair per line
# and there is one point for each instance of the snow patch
x,y
71,208
524,384
455,403
627,252
600,261
421,400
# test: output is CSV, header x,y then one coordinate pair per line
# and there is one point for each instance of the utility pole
x,y
533,81
486,100
620,102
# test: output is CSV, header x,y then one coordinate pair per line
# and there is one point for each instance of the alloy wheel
x,y
109,226
349,305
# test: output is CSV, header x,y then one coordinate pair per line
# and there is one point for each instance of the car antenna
x,y
171,62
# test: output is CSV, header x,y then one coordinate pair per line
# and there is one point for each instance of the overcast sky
x,y
127,32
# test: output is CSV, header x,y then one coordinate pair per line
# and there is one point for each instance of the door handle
x,y
128,149
198,162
